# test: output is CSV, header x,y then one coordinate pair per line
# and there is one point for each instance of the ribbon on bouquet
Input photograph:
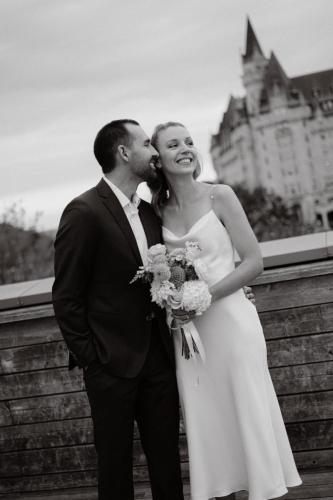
x,y
191,342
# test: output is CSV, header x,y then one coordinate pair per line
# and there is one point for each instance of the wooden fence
x,y
46,438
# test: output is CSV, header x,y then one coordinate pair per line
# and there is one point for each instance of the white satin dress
x,y
235,432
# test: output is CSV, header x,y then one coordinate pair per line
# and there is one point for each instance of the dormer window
x,y
294,93
316,92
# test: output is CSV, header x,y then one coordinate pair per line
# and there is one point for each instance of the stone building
x,y
280,134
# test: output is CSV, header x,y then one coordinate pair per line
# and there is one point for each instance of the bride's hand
x,y
249,294
182,317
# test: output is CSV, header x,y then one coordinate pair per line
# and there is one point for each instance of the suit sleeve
x,y
75,248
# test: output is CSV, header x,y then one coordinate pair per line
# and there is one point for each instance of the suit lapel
x,y
148,224
116,210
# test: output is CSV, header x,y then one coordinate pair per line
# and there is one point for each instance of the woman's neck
x,y
183,191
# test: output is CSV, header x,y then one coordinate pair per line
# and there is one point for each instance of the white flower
x,y
159,259
156,251
161,272
196,296
175,300
178,254
200,268
161,292
192,250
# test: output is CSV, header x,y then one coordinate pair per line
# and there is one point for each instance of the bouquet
x,y
177,281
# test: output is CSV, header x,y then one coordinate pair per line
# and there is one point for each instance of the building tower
x,y
254,66
279,135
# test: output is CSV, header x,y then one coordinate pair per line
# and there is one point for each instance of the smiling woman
x,y
158,185
235,431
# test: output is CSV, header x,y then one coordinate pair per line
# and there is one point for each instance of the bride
x,y
235,432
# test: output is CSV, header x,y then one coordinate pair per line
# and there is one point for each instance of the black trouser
x,y
151,399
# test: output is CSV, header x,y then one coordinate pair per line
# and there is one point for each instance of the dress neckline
x,y
192,227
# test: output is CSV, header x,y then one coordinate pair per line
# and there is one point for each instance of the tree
x,y
25,253
269,215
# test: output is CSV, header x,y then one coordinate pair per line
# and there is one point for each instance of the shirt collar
x,y
123,199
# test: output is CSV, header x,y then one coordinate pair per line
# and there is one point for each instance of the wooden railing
x,y
46,438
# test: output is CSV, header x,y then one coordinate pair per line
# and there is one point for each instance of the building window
x,y
315,92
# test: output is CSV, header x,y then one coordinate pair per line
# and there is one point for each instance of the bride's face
x,y
178,155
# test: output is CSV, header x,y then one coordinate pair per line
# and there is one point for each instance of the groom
x,y
112,329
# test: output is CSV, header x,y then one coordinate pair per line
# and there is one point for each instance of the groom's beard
x,y
149,175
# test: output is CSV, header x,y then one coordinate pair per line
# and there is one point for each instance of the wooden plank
x,y
26,313
308,406
295,272
52,381
46,435
82,479
71,449
310,435
27,332
314,460
294,293
297,321
63,459
308,349
76,479
79,431
54,354
303,378
142,492
309,492
314,486
44,409
33,357
295,407
317,478
300,492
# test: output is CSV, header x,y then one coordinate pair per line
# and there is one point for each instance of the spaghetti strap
x,y
211,194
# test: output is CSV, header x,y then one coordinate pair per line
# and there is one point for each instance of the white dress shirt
x,y
130,208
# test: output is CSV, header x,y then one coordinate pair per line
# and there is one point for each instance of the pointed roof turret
x,y
275,73
252,43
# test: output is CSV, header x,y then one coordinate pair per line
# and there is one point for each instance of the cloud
x,y
70,66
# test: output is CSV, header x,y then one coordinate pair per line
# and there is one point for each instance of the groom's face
x,y
142,154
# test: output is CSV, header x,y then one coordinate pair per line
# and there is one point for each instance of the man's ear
x,y
122,150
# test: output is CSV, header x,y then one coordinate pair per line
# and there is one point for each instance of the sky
x,y
70,66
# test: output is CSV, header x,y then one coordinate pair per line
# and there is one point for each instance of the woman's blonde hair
x,y
159,185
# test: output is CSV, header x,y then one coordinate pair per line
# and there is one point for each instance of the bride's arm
x,y
228,208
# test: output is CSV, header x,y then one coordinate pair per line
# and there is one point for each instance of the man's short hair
x,y
107,141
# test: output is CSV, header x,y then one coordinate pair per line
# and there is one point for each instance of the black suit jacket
x,y
101,315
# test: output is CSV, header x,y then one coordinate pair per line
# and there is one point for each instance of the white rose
x,y
200,268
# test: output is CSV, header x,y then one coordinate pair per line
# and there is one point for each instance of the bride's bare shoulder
x,y
223,193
